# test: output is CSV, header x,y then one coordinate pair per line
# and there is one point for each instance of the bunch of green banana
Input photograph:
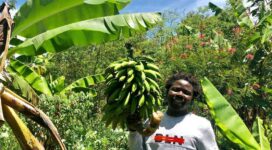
x,y
131,88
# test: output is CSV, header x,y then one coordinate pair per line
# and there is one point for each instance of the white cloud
x,y
13,12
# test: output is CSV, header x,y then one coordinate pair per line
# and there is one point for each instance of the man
x,y
179,128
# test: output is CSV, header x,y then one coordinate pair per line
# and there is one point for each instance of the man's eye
x,y
175,89
187,92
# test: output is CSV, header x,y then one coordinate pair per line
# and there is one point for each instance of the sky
x,y
160,5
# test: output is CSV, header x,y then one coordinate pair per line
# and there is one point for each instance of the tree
x,y
75,26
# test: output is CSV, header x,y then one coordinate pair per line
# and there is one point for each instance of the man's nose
x,y
179,93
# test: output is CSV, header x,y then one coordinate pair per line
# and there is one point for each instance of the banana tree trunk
x,y
6,24
19,104
25,138
2,120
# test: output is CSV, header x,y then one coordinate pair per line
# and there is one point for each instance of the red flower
x,y
236,30
203,44
183,56
189,46
250,56
175,40
232,50
256,86
201,36
173,58
229,92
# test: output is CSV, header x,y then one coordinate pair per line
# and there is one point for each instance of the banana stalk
x,y
25,138
16,102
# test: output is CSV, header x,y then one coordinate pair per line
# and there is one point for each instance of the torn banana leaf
x,y
14,101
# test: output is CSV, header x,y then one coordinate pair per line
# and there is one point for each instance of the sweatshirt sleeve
x,y
207,139
135,141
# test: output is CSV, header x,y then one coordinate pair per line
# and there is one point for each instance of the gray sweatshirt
x,y
189,132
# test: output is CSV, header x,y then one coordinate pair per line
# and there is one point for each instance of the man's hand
x,y
134,122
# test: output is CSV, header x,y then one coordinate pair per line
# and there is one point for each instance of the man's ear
x,y
165,100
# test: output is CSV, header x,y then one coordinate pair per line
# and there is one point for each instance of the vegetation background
x,y
202,43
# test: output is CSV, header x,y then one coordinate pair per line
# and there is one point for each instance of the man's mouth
x,y
178,99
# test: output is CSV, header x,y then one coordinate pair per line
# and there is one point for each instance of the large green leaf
x,y
240,11
87,32
38,16
215,8
267,34
84,83
227,119
27,91
35,80
57,85
259,133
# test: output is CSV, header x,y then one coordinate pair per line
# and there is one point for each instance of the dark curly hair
x,y
197,90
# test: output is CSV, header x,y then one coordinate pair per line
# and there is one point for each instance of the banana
x,y
114,95
120,73
122,95
122,78
117,66
130,71
111,86
130,63
131,88
150,73
126,86
141,101
127,100
139,67
152,82
147,86
153,100
152,67
109,77
130,78
134,103
134,87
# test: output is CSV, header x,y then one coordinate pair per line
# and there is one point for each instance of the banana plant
x,y
91,22
229,122
53,26
9,100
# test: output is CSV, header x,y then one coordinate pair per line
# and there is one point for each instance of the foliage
x,y
233,53
80,124
35,21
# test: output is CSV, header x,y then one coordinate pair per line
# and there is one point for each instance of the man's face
x,y
180,95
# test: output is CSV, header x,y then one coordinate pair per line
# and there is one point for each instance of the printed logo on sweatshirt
x,y
168,139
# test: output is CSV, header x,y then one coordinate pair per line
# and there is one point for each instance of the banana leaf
x,y
86,32
35,80
226,118
84,84
22,85
243,19
19,104
215,8
38,16
267,34
259,133
57,85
